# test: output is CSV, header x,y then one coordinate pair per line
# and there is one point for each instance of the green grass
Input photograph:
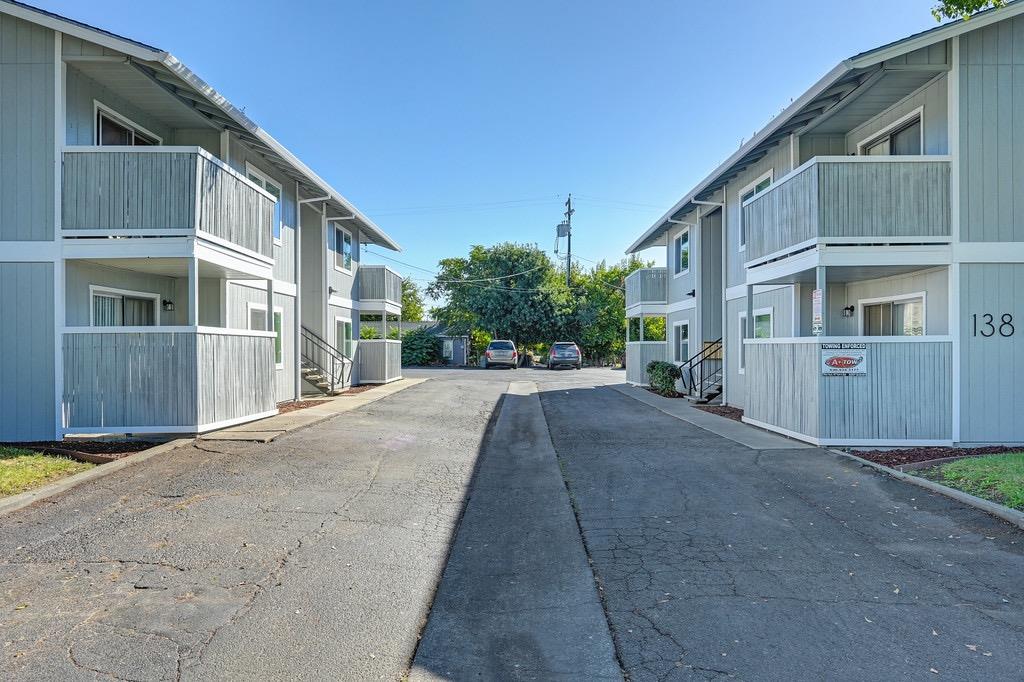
x,y
22,470
999,478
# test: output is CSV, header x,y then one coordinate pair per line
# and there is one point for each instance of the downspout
x,y
298,294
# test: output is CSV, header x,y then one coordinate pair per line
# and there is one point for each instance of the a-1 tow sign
x,y
844,359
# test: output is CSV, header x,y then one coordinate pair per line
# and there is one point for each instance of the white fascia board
x,y
166,247
679,306
740,290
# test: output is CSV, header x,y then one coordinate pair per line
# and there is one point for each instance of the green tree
x,y
962,9
599,325
412,301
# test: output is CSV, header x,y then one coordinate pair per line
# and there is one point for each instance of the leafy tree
x,y
600,318
412,301
962,9
419,347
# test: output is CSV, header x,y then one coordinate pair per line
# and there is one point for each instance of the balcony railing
x,y
163,191
380,283
380,360
638,355
648,285
904,392
165,379
850,199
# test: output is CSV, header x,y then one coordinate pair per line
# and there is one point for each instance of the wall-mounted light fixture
x,y
692,293
168,306
848,311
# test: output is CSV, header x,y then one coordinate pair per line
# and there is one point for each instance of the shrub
x,y
663,376
419,347
369,332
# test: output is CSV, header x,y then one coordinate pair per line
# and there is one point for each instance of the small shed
x,y
454,346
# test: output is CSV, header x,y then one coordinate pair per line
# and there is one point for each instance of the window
x,y
258,322
681,253
747,193
342,249
898,316
261,180
902,138
343,337
681,344
763,328
120,308
114,129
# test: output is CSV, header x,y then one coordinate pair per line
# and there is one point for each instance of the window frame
x,y
352,341
675,238
894,298
251,170
741,235
279,338
352,251
675,340
102,290
101,109
758,312
917,115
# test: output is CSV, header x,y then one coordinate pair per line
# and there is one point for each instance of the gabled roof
x,y
170,74
816,103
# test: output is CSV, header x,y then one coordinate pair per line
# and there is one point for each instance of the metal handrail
x,y
695,366
325,358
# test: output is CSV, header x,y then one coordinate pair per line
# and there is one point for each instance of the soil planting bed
x,y
665,395
359,389
94,451
734,413
285,408
897,458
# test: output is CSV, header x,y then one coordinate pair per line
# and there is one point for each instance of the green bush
x,y
419,347
369,332
663,376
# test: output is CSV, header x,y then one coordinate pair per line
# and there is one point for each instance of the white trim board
x,y
939,338
200,428
339,302
866,442
740,290
680,306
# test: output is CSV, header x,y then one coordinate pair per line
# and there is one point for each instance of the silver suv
x,y
565,353
501,354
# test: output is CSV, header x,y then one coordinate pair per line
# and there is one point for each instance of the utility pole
x,y
568,233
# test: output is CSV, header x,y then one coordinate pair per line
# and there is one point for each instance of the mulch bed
x,y
94,451
902,456
734,413
665,395
285,408
359,389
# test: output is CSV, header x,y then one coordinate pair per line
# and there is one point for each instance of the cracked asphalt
x,y
716,560
312,557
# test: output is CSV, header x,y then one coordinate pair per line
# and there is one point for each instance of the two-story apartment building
x,y
853,273
165,265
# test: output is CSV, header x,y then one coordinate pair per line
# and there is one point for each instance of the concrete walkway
x,y
266,430
518,599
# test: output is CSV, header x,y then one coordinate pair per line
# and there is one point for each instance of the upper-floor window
x,y
747,193
114,129
681,253
342,249
262,180
902,138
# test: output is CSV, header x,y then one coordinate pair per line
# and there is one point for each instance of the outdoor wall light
x,y
168,306
848,311
692,293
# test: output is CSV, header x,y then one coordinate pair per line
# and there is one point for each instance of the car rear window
x,y
565,346
501,345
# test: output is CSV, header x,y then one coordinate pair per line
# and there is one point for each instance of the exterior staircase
x,y
703,374
323,366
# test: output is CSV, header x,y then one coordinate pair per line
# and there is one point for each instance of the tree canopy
x,y
412,301
962,9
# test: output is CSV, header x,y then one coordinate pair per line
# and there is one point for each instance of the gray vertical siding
x,y
238,298
638,355
678,286
786,389
821,145
79,274
991,146
935,121
781,303
992,368
82,93
934,283
377,283
235,377
379,361
649,285
233,210
26,131
710,294
345,284
26,365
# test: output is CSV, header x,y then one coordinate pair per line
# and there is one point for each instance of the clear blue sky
x,y
458,122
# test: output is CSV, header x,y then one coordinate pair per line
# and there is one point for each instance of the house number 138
x,y
986,325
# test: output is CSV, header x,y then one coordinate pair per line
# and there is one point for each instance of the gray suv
x,y
563,354
501,354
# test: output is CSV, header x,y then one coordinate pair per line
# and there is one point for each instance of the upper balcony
x,y
165,192
646,289
850,200
380,288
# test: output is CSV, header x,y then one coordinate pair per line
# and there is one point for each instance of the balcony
x,y
380,289
850,200
789,392
379,360
645,289
165,379
164,192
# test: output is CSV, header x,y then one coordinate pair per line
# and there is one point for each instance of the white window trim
x,y
689,249
334,255
861,302
252,305
100,289
740,237
770,311
267,180
339,318
901,122
98,107
675,339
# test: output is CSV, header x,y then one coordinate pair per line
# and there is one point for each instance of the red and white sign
x,y
844,359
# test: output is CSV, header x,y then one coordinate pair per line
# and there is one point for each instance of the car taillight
x,y
552,352
487,354
515,354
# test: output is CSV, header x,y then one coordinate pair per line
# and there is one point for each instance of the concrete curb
x,y
22,500
995,509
